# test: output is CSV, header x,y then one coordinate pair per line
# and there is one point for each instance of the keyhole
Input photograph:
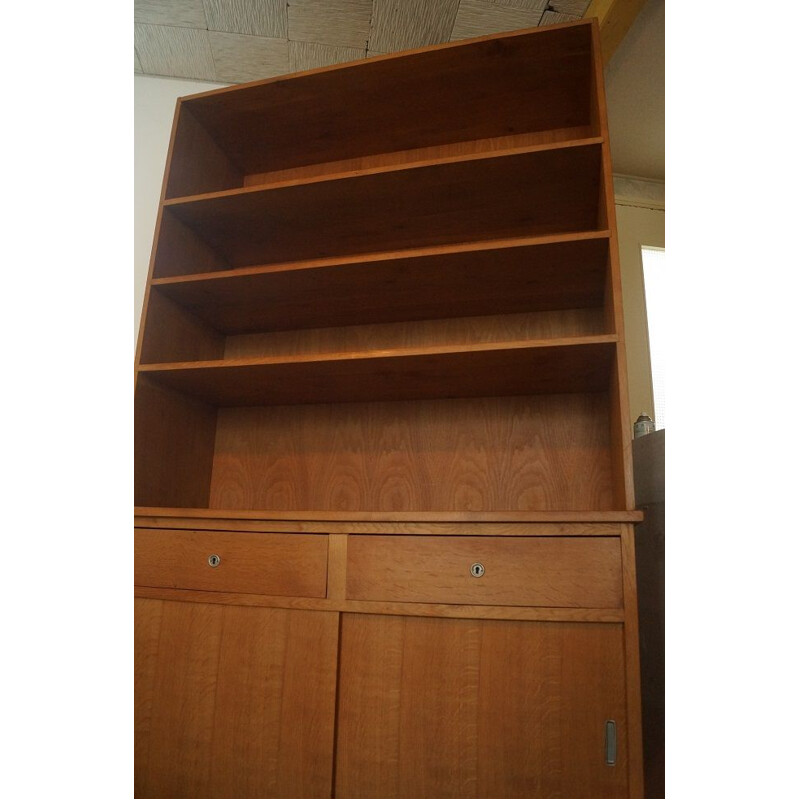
x,y
477,570
213,561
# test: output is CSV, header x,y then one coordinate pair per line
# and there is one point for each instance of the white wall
x,y
154,107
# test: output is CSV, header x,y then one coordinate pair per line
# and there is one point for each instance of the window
x,y
655,296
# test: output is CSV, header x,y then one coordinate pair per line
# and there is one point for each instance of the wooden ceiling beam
x,y
615,18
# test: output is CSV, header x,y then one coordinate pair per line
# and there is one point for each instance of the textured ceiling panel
x,y
180,13
575,7
482,17
308,55
253,17
241,58
137,66
554,18
341,23
412,23
178,52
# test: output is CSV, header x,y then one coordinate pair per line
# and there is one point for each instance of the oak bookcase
x,y
384,523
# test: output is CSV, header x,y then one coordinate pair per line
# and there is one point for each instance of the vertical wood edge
x,y
632,670
337,566
156,234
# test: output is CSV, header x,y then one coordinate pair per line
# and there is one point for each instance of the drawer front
x,y
283,564
537,571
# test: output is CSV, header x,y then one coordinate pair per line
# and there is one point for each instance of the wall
x,y
640,221
154,107
639,205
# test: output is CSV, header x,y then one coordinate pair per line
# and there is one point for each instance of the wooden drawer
x,y
579,572
281,564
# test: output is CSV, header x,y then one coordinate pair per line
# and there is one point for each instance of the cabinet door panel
x,y
479,708
237,702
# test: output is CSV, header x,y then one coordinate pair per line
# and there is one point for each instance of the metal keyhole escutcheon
x,y
213,560
476,570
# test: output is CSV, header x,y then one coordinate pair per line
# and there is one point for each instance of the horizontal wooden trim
x,y
390,255
382,170
620,515
400,352
399,528
394,609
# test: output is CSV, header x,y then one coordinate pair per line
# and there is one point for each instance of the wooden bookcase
x,y
381,344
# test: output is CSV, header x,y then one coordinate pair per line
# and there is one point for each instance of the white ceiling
x,y
233,41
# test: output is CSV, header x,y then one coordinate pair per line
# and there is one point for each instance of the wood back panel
x,y
488,197
173,333
422,333
488,454
271,563
554,572
496,277
498,86
468,708
173,446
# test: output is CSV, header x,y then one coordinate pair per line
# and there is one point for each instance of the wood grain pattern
x,y
581,573
173,447
402,528
437,610
438,96
632,666
495,369
180,728
274,563
453,332
275,701
337,566
198,164
172,333
376,161
449,517
476,198
545,453
467,708
243,701
180,251
489,278
147,634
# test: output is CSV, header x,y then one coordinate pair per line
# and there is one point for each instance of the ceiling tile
x,y
254,17
412,23
482,17
179,13
553,18
310,55
137,67
241,58
535,5
575,7
178,52
342,23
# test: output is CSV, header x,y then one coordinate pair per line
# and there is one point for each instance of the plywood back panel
x,y
486,454
457,331
174,444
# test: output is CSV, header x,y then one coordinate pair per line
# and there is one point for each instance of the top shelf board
x,y
518,83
